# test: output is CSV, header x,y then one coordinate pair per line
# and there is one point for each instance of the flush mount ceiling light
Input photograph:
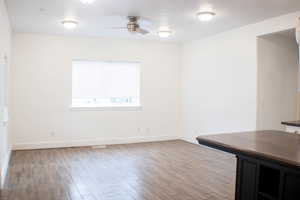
x,y
69,24
164,33
87,1
205,16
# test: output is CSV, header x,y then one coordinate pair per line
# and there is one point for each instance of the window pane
x,y
105,83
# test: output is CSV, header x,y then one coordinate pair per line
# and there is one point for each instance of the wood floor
x,y
173,170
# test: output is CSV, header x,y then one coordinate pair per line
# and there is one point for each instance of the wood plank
x,y
172,170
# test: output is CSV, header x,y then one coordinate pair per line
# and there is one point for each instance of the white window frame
x,y
107,108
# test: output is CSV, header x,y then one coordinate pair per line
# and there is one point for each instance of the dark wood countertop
x,y
291,123
279,146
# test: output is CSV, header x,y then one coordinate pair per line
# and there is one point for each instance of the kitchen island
x,y
268,163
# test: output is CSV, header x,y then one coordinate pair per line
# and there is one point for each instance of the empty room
x,y
149,100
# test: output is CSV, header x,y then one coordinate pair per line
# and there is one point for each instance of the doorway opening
x,y
278,97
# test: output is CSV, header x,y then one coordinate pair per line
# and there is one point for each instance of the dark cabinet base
x,y
265,180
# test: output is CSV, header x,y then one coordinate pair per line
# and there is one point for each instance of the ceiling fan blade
x,y
142,31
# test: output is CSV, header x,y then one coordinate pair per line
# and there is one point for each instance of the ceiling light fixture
x,y
164,33
205,16
87,1
69,24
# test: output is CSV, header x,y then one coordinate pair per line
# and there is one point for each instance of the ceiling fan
x,y
133,26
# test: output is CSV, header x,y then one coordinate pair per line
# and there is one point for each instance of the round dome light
x,y
69,24
164,33
205,16
87,1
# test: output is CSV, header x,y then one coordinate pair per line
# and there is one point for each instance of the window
x,y
105,84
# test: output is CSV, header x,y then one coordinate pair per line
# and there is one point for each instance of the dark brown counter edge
x,y
292,123
243,152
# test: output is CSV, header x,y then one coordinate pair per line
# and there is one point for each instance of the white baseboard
x,y
5,167
187,139
78,143
192,138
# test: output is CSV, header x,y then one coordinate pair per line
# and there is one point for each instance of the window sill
x,y
106,108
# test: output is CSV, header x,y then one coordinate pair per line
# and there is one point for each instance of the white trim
x,y
192,138
79,143
298,32
115,108
107,61
187,139
5,167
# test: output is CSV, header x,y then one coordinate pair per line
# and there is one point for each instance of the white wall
x,y
218,87
219,79
277,81
5,45
41,92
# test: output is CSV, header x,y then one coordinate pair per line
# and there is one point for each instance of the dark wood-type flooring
x,y
172,170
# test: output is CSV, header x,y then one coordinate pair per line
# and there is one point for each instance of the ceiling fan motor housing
x,y
132,25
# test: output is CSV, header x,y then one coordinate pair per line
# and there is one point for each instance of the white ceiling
x,y
44,16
